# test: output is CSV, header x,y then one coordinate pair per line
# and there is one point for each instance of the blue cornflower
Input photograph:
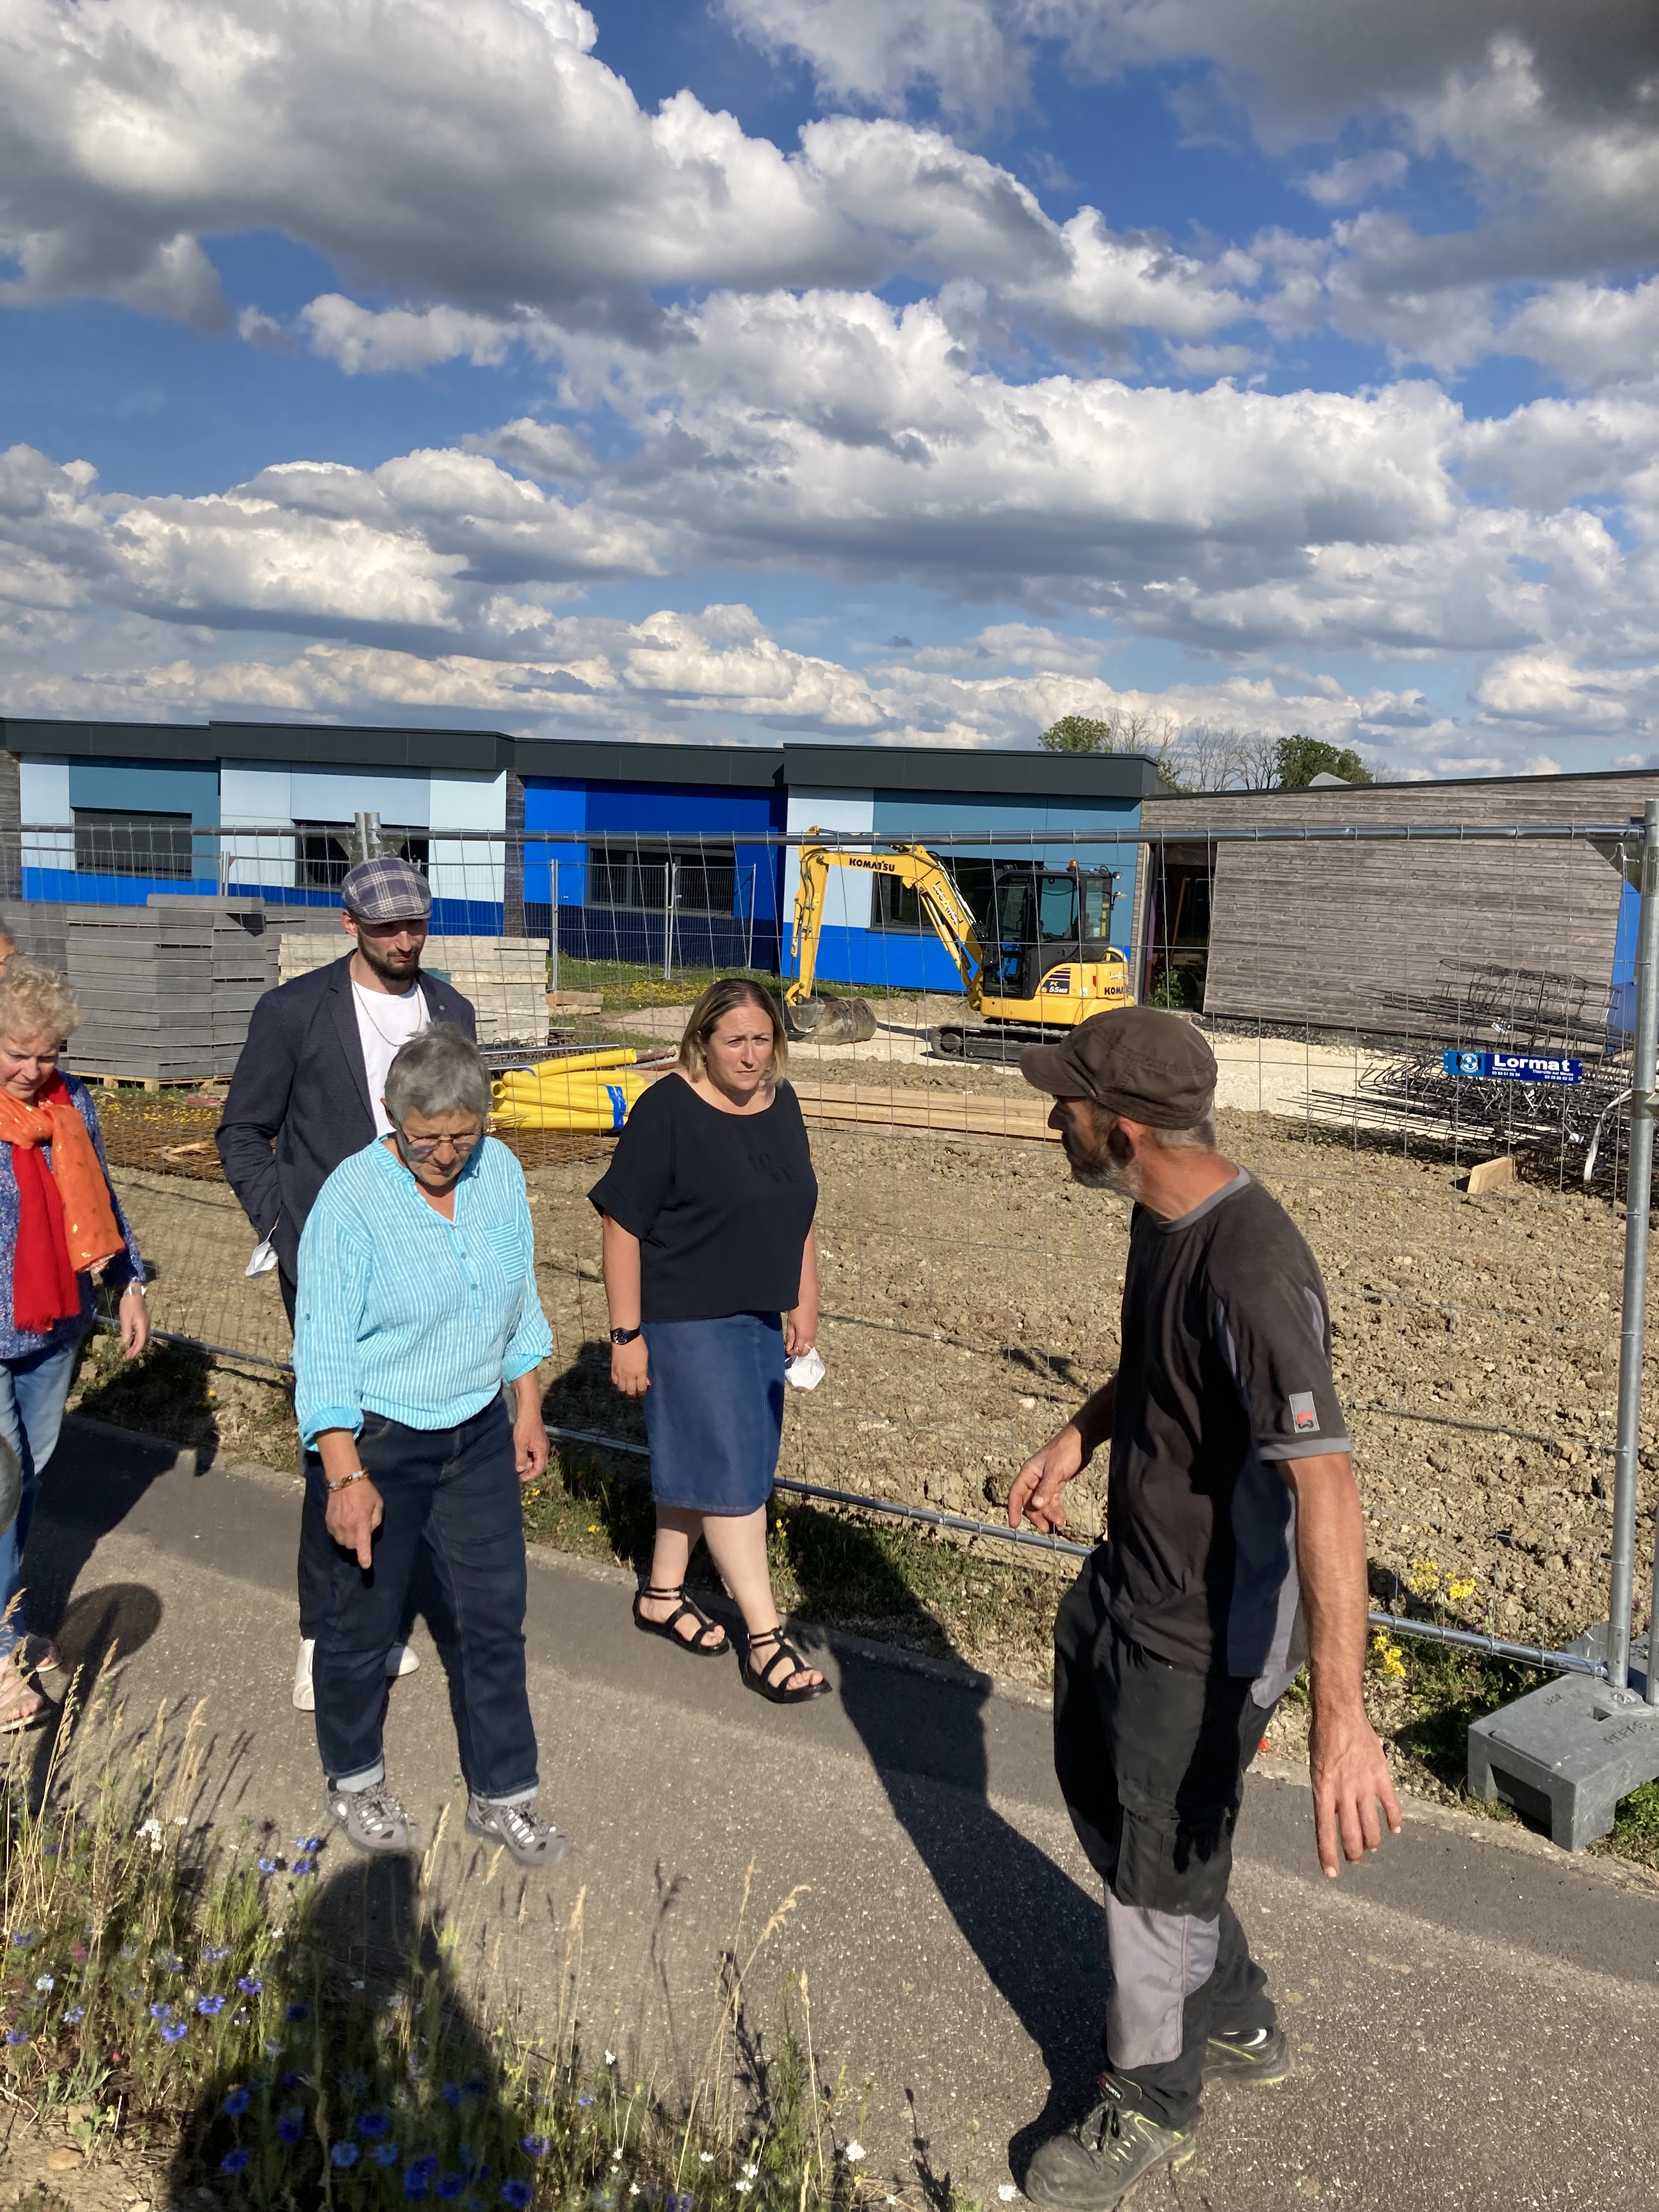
x,y
417,2176
584,2099
233,2160
214,1952
159,2011
16,2035
518,2194
269,1866
237,2102
249,1985
173,2029
451,2186
307,1843
208,2006
538,2146
298,2012
385,2153
372,2124
23,1938
681,2201
75,2015
304,1866
474,2087
290,2125
344,2154
452,2092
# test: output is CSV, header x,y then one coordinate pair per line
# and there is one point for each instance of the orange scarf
x,y
66,1223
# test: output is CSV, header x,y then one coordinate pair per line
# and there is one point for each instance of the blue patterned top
x,y
126,1267
403,1314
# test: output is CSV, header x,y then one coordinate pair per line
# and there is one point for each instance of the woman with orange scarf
x,y
61,1227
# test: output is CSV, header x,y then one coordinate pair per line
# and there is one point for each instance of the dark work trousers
x,y
1151,1759
454,1492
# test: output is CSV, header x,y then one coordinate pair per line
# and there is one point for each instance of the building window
x,y
704,880
108,843
324,852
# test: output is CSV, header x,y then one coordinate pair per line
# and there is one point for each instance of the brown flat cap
x,y
1138,1062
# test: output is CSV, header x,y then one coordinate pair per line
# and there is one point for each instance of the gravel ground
x,y
971,1297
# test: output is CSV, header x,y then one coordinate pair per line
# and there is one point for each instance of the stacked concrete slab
x,y
166,990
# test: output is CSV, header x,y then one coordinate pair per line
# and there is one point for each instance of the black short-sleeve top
x,y
721,1203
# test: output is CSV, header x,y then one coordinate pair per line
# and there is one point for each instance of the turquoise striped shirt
x,y
403,1314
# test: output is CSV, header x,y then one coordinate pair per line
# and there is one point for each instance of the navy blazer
x,y
299,1100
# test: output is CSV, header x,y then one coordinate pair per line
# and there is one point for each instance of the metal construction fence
x,y
1425,1001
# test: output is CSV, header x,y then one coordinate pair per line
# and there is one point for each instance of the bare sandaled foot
x,y
21,1706
785,1678
703,1638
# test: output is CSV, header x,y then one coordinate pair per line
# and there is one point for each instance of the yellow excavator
x,y
1050,962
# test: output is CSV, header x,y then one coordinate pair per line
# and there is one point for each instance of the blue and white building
x,y
626,842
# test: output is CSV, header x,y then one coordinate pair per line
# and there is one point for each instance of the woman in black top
x,y
711,1275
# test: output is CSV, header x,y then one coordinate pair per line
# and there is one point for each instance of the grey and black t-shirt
x,y
1225,1372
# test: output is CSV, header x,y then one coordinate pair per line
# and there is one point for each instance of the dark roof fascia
x,y
574,760
974,770
296,745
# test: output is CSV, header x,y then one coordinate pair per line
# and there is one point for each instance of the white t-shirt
x,y
385,1021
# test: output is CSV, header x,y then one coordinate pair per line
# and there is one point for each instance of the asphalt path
x,y
1473,2013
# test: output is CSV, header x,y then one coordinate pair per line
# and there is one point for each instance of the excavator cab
x,y
1044,919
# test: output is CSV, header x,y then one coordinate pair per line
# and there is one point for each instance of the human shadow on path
x,y
1036,1932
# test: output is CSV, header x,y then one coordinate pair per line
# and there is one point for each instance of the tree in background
x,y
1081,734
1297,760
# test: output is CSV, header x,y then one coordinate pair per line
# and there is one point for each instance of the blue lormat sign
x,y
1515,1067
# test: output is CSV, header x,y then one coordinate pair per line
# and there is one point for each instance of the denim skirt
x,y
714,1412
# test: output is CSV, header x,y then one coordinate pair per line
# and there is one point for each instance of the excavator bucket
x,y
831,1021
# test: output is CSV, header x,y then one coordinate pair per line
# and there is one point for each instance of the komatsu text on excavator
x,y
1042,961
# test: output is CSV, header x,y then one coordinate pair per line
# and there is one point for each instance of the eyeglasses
x,y
423,1148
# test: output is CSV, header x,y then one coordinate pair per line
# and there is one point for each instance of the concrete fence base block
x,y
1565,1754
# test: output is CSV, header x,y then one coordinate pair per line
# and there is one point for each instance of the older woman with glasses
x,y
416,1309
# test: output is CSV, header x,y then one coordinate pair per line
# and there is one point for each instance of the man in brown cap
x,y
1232,1518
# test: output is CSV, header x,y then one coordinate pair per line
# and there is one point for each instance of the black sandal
x,y
688,1609
764,1680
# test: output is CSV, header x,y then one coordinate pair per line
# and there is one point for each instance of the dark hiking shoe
x,y
531,1840
372,1820
1262,2056
1093,2165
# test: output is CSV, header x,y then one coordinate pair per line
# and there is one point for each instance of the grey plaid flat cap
x,y
387,889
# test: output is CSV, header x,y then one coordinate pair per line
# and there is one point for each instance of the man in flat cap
x,y
1234,1551
307,1094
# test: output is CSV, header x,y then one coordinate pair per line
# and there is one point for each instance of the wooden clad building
x,y
1395,937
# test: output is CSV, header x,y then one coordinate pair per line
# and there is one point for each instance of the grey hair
x,y
37,1001
437,1072
1200,1138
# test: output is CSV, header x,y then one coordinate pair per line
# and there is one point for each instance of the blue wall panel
x,y
620,810
143,788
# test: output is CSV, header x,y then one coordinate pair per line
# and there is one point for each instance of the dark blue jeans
x,y
456,1491
33,1393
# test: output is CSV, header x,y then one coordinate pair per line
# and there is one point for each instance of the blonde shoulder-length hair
x,y
716,1002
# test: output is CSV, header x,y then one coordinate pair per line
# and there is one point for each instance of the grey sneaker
x,y
1260,2056
372,1820
529,1839
1093,2165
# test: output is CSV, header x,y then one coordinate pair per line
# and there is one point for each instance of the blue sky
x,y
877,370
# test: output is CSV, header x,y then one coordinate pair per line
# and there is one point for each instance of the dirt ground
x,y
971,1293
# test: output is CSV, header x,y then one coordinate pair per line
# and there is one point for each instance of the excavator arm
x,y
913,866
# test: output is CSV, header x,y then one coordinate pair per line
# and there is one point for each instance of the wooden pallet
x,y
151,1082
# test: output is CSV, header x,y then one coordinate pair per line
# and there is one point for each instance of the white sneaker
x,y
402,1659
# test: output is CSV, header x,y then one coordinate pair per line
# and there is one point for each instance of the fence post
x,y
368,835
1638,1198
667,917
553,929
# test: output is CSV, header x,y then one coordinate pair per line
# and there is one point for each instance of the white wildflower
x,y
151,1833
46,1981
610,2057
707,2156
1007,2193
750,2169
854,2153
633,2188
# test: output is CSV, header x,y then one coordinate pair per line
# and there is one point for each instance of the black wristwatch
x,y
624,1335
